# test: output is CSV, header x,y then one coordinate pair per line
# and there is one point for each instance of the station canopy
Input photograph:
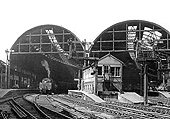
x,y
47,45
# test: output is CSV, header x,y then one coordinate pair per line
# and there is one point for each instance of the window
x,y
112,71
106,69
117,72
99,70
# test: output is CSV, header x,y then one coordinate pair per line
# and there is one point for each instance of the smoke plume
x,y
45,64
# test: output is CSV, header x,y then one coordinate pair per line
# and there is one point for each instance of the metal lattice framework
x,y
52,41
139,38
143,43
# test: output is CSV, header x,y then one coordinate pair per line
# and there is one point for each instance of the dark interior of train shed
x,y
38,54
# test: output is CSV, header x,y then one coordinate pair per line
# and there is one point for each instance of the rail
x,y
40,108
24,113
119,110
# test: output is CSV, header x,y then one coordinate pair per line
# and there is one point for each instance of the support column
x,y
141,80
6,69
6,75
70,42
163,77
79,80
85,61
9,74
145,85
96,77
1,75
159,73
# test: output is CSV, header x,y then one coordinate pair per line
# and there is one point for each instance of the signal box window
x,y
106,69
112,70
117,72
99,70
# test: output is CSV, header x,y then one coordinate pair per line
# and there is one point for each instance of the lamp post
x,y
7,69
96,78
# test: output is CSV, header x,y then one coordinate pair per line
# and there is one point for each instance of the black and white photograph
x,y
84,59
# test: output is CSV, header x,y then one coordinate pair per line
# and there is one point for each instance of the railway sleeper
x,y
24,110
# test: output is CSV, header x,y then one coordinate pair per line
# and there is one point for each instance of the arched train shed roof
x,y
131,36
39,36
47,42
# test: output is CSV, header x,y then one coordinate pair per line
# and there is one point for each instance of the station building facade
x,y
109,75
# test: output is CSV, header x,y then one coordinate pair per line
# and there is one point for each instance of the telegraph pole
x,y
145,85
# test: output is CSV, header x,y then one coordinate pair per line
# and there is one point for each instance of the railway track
x,y
25,109
19,108
55,113
92,107
5,109
77,114
121,110
152,109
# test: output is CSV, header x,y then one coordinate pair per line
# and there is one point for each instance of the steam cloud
x,y
45,64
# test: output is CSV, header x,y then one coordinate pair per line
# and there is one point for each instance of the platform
x,y
165,93
3,92
89,95
130,97
14,92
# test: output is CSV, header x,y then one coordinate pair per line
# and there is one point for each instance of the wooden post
x,y
79,80
104,79
145,85
85,61
1,75
9,67
141,80
9,76
6,75
70,47
163,77
96,77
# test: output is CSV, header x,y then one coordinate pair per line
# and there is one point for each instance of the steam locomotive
x,y
45,86
48,86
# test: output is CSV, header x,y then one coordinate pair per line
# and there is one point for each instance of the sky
x,y
85,18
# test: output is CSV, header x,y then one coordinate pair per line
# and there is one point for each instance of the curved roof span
x,y
50,45
134,37
47,39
